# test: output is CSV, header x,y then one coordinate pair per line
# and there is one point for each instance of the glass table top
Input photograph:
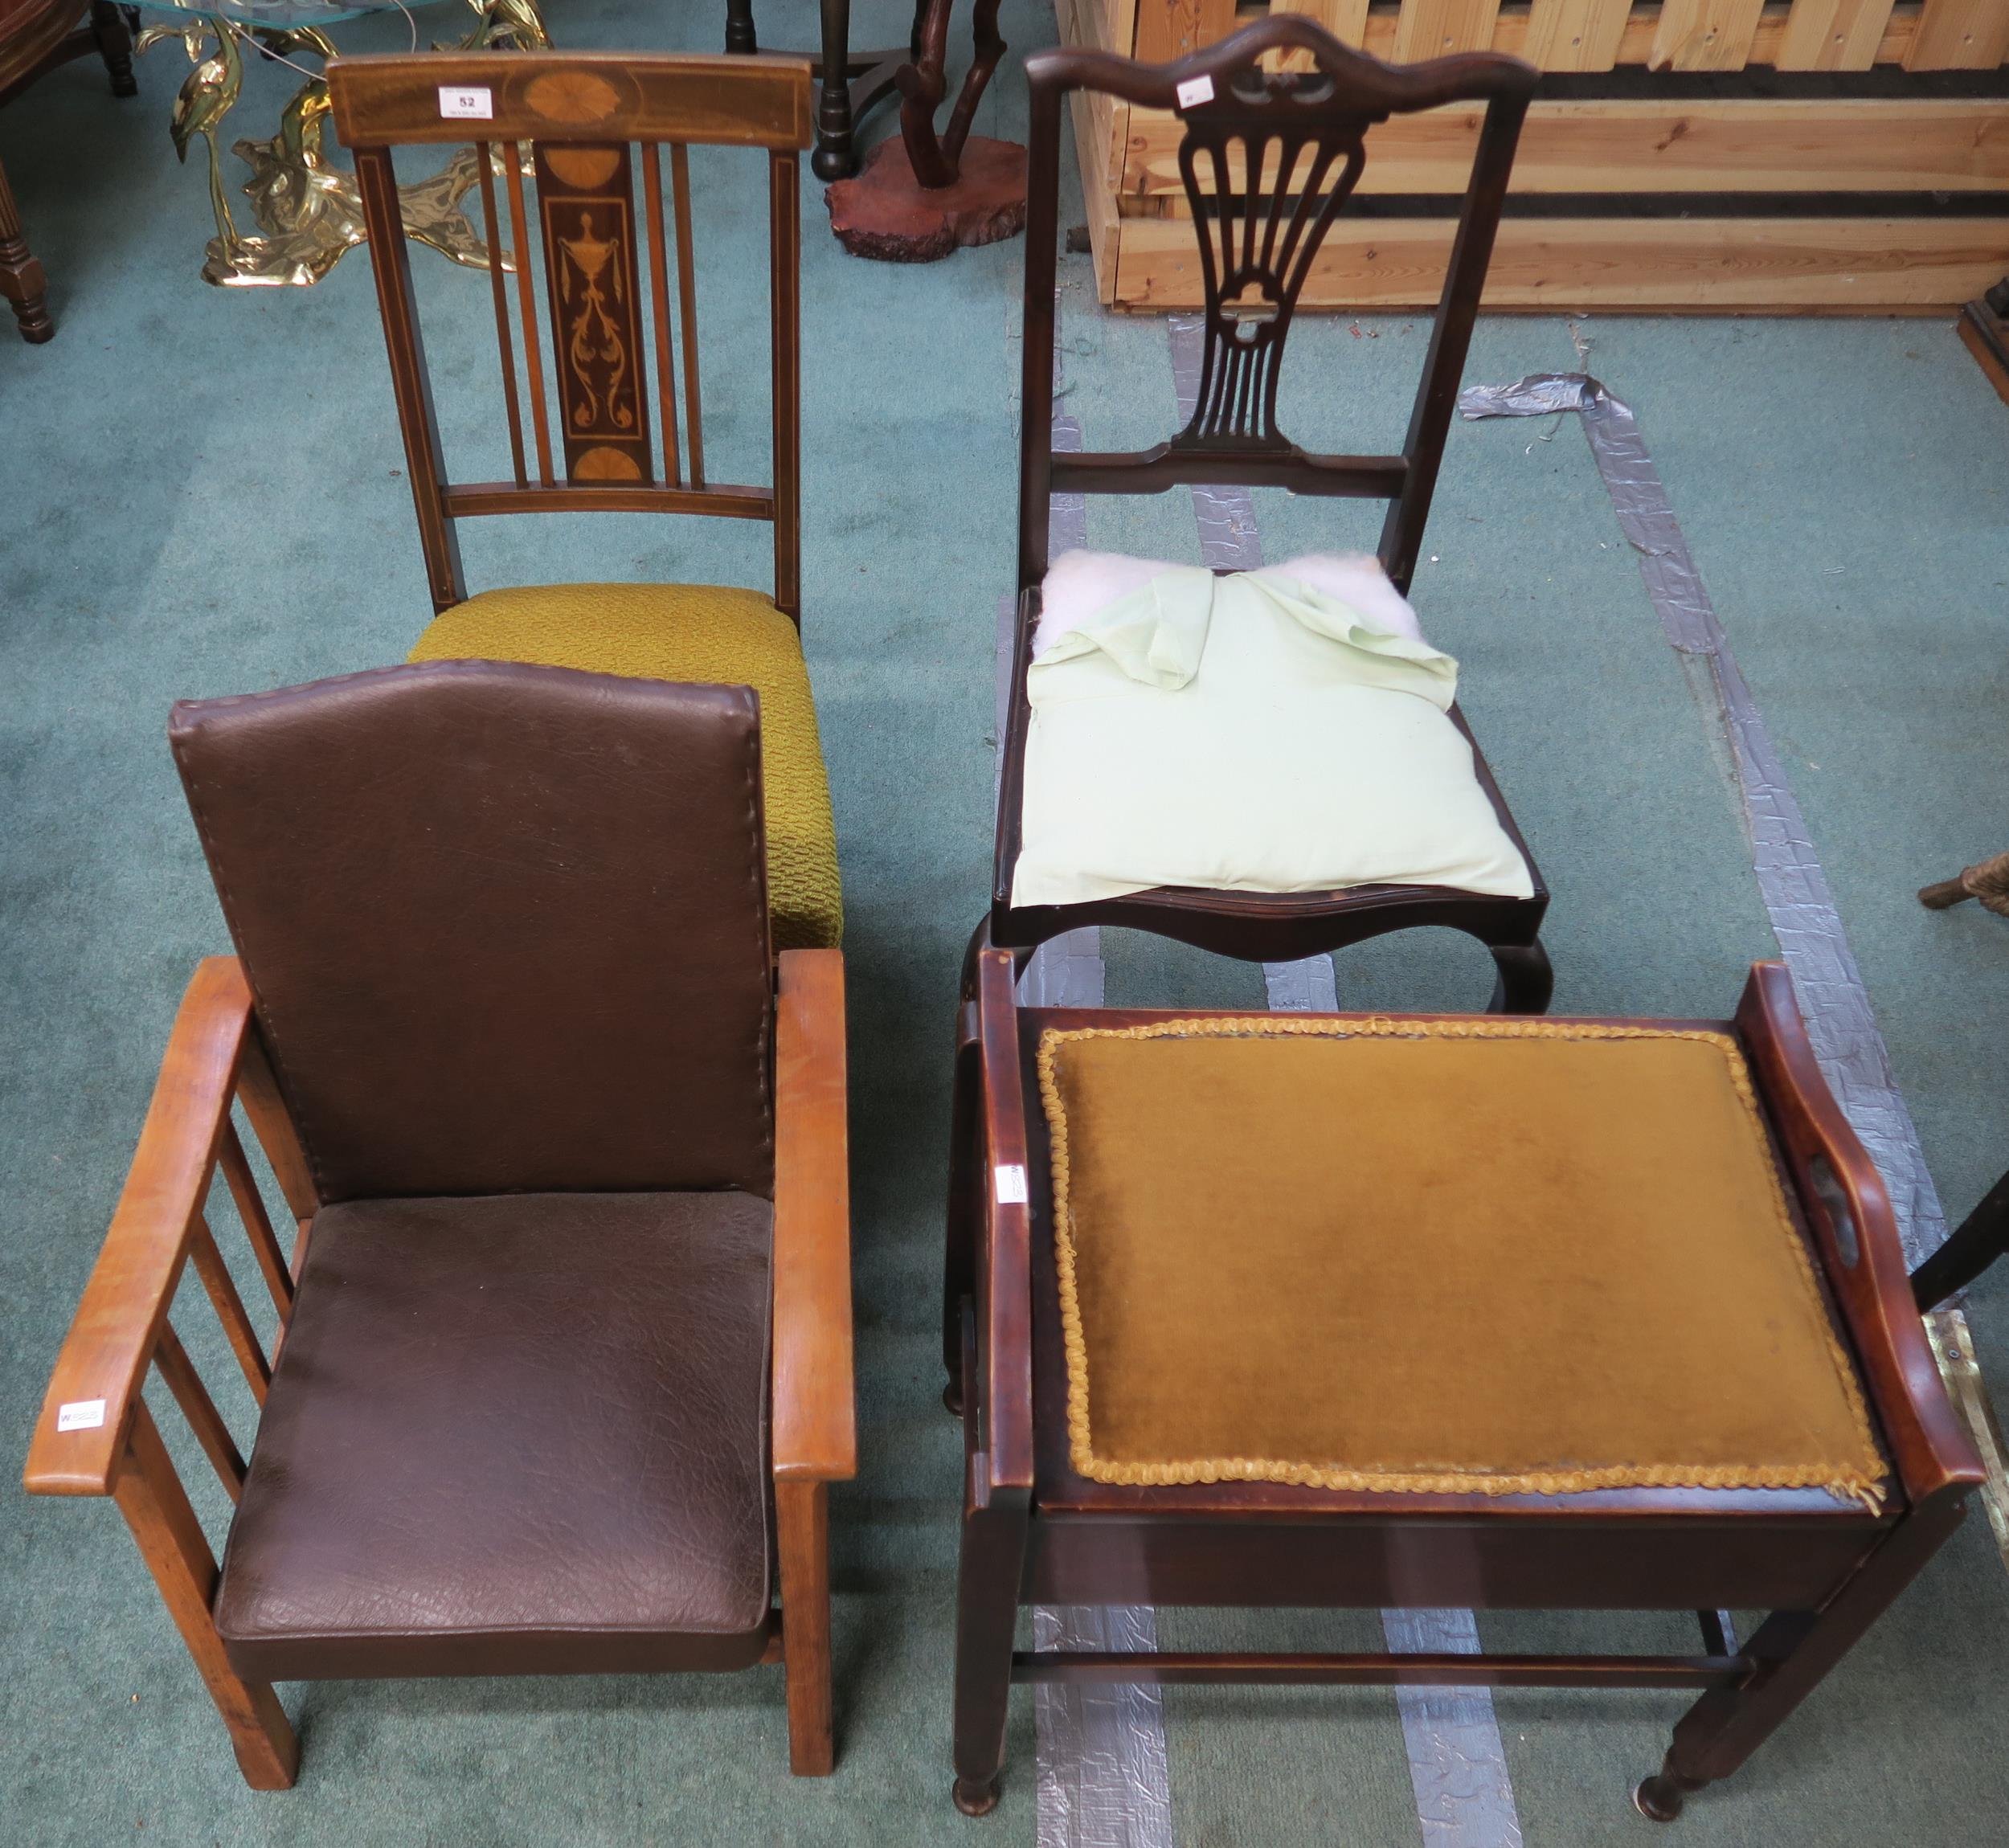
x,y
279,15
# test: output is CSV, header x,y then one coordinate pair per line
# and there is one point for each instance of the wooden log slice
x,y
885,213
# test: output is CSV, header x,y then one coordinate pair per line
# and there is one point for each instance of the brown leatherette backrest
x,y
506,926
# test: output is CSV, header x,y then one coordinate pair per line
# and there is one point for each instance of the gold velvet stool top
x,y
690,632
1504,1257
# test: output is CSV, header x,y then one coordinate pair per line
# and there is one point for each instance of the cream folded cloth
x,y
1251,733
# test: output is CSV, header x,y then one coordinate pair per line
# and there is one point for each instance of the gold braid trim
x,y
1864,1484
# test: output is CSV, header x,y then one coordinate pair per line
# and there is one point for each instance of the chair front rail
x,y
1176,1669
470,500
1164,466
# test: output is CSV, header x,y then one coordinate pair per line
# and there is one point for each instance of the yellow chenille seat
x,y
688,632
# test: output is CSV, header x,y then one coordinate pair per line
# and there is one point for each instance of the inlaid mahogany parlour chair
x,y
553,134
1305,137
562,1364
1603,1315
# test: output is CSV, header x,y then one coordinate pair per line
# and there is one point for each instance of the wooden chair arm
x,y
1855,1233
111,1340
1003,1381
815,1418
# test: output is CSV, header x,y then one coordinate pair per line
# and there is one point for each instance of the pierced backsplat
x,y
1258,162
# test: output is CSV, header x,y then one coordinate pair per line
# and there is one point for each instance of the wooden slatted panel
x,y
1555,265
1960,36
1515,33
258,1228
1755,144
504,347
1436,28
527,306
1576,34
230,1308
687,305
1169,29
659,304
1705,34
200,1410
1834,34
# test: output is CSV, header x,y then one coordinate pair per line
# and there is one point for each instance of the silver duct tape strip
x,y
1306,987
1104,1780
1834,1000
1463,1799
1458,1766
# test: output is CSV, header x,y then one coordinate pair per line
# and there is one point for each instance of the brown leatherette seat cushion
x,y
506,926
523,1435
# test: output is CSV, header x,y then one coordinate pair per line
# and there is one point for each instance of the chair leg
x,y
1794,1650
802,1519
21,279
115,46
987,1579
1522,982
1980,1238
739,26
171,1541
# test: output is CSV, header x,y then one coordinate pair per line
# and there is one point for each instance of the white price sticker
x,y
80,1415
1192,93
466,105
1011,1185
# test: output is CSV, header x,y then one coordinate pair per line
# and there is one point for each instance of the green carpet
x,y
199,493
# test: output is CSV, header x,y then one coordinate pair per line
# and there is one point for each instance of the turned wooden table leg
x,y
115,46
834,157
21,281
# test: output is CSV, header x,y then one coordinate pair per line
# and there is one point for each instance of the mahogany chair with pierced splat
x,y
557,132
1256,250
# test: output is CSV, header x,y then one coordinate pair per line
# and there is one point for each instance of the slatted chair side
x,y
568,142
1269,158
95,1434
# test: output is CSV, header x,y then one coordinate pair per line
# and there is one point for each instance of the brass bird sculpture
x,y
208,95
